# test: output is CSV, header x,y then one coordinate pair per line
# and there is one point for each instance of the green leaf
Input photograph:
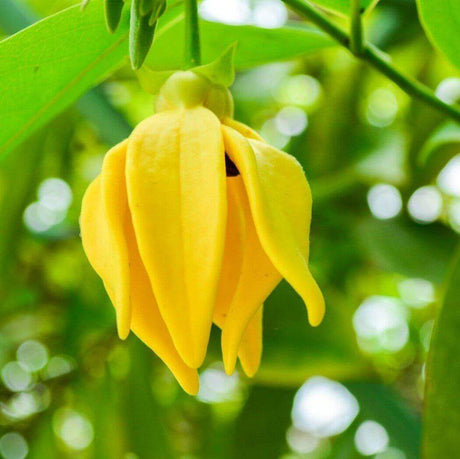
x,y
442,402
407,248
256,46
61,58
441,21
343,6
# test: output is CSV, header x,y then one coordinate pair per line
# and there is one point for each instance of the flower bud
x,y
188,89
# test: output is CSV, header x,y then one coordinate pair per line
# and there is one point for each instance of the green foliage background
x,y
69,388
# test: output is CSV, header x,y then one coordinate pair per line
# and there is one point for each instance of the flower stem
x,y
192,35
356,29
373,57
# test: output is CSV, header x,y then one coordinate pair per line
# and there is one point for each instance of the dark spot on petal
x,y
230,168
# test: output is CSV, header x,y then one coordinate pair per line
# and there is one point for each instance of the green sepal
x,y
113,10
140,36
220,72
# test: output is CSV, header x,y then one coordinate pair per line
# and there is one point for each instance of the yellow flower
x,y
195,219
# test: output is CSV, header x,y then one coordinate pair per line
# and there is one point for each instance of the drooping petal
x,y
280,201
250,353
116,213
108,252
176,190
234,273
244,130
101,245
256,280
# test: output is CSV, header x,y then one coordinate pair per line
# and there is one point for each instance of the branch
x,y
373,57
356,29
192,35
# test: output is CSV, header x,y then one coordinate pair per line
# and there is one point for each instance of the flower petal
x,y
103,238
100,247
116,213
244,130
176,190
250,352
238,226
280,201
257,279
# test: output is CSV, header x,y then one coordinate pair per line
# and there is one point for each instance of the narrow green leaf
x,y
158,10
407,248
140,36
442,402
441,21
256,46
113,10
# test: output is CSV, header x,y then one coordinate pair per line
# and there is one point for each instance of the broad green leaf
x,y
407,248
342,6
442,402
61,57
441,21
256,46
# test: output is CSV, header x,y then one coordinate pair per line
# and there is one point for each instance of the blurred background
x,y
385,175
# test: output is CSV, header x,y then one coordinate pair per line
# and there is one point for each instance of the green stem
x,y
356,29
192,35
373,57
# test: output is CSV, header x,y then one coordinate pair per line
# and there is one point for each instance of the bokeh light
x,y
417,293
382,107
323,407
449,178
449,90
381,324
291,121
13,446
33,355
16,376
371,438
425,205
384,201
73,428
217,387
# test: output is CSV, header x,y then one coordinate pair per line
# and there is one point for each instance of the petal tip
x,y
192,385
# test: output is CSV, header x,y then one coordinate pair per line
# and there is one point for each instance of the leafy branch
x,y
370,54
